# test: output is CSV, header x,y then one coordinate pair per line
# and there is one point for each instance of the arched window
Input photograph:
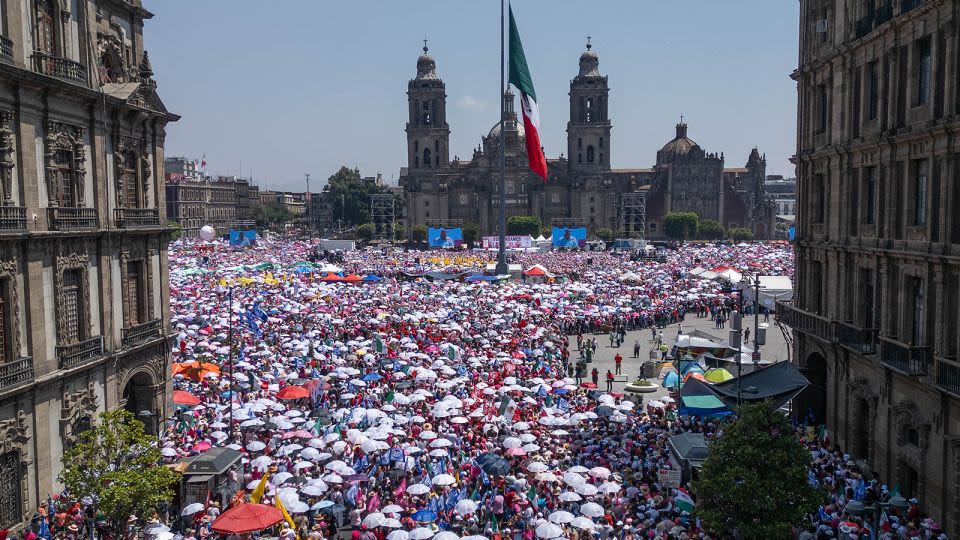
x,y
601,158
46,27
416,147
426,119
131,187
436,145
589,109
426,157
579,144
590,154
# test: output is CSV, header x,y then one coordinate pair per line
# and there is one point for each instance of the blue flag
x,y
258,312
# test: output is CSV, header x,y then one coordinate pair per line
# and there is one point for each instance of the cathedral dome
x,y
681,145
426,66
495,130
589,63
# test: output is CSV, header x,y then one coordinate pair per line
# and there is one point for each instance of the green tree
x,y
711,229
681,225
471,233
176,231
418,233
754,479
604,234
276,213
349,195
740,234
399,232
519,225
365,232
117,465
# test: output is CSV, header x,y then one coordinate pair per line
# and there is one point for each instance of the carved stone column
x,y
6,157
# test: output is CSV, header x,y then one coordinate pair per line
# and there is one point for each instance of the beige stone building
x,y
878,238
84,304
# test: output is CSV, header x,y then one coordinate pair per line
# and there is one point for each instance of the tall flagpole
x,y
502,268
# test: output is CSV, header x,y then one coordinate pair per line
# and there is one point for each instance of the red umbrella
x,y
298,434
181,397
588,385
293,392
247,517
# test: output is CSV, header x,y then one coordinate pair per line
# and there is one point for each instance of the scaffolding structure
x,y
567,223
383,216
633,215
445,223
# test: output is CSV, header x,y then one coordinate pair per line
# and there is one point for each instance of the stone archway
x,y
139,397
812,402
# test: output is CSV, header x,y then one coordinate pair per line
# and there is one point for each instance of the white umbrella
x,y
391,523
392,509
582,522
465,507
537,467
591,510
512,442
427,435
297,507
255,446
475,537
569,496
421,533
446,535
192,509
600,472
398,535
313,491
168,452
374,520
548,530
560,516
444,480
573,479
417,489
547,477
609,487
281,477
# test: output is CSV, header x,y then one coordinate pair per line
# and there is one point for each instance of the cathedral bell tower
x,y
588,131
428,135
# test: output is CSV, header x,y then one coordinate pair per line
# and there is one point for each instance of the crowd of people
x,y
393,406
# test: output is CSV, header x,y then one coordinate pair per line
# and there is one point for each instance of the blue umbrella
x,y
371,277
424,516
561,391
671,380
371,377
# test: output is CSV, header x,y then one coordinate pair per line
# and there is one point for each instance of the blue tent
x,y
481,277
671,380
371,277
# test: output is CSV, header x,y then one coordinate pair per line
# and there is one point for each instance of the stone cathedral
x,y
582,189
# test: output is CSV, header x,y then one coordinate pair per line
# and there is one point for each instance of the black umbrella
x,y
486,458
500,467
333,509
603,410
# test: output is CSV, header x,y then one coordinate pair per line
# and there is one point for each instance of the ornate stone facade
x,y
75,130
581,188
878,238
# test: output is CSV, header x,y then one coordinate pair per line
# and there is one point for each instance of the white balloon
x,y
208,233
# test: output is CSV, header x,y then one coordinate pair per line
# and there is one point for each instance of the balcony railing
x,y
13,218
59,67
16,373
6,47
70,218
131,218
861,340
863,26
948,374
909,5
905,358
140,333
883,14
71,356
806,322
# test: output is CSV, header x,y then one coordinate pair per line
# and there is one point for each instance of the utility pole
x,y
309,205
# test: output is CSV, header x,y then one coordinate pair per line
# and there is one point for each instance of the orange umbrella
x,y
181,397
195,370
293,392
247,517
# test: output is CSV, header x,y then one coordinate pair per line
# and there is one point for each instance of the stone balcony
x,y
13,219
905,358
72,219
132,218
806,322
63,68
16,373
134,335
77,354
861,340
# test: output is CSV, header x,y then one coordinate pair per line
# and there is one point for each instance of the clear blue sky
x,y
304,86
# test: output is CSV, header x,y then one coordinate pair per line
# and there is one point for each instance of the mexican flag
x,y
683,501
520,77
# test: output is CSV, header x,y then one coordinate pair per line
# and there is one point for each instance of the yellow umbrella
x,y
718,375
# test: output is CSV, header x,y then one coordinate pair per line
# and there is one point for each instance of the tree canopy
x,y
519,225
740,234
681,225
711,229
605,234
117,465
365,232
754,479
418,233
471,233
349,196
